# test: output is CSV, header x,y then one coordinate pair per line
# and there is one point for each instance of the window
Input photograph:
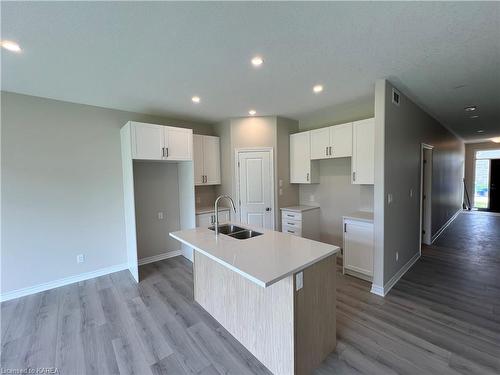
x,y
482,177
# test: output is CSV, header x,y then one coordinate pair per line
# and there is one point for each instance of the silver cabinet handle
x,y
288,223
326,150
330,148
163,152
166,148
307,177
290,215
354,176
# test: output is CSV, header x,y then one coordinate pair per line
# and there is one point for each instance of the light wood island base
x,y
289,331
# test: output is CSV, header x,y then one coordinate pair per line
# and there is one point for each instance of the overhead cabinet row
x,y
355,140
158,142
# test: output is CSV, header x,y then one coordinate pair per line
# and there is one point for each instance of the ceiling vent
x,y
396,96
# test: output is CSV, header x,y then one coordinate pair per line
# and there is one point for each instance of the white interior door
x,y
256,188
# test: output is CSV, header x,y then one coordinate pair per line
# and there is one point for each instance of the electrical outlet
x,y
281,191
397,256
80,258
411,193
281,183
160,215
299,281
389,198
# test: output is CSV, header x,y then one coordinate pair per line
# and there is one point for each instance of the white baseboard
x,y
61,282
441,230
382,291
156,258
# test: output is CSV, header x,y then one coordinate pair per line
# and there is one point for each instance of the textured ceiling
x,y
152,57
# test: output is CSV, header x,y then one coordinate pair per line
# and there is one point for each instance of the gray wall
x,y
407,126
62,193
156,189
470,166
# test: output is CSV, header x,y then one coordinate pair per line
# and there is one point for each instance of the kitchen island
x,y
275,293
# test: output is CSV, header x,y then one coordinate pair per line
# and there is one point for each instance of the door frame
x,y
428,213
237,152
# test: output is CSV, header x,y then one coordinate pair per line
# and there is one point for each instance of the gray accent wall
x,y
62,192
406,127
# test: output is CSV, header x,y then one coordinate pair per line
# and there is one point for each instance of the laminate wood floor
x,y
443,317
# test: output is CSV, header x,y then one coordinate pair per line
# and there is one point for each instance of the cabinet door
x,y
363,155
358,247
204,220
179,143
320,144
211,160
147,141
198,159
341,138
300,158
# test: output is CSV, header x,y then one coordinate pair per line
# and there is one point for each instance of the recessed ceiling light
x,y
480,131
11,46
196,99
496,140
475,116
252,112
257,61
470,108
317,89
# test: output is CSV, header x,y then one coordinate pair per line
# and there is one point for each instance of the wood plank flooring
x,y
443,317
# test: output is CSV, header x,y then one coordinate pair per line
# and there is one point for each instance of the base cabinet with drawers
x,y
301,221
358,248
207,219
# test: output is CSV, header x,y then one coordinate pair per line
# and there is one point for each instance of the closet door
x,y
320,144
211,160
178,143
199,174
147,141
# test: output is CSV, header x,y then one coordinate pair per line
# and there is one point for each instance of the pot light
x,y
496,140
470,108
11,46
257,61
317,89
252,112
475,116
195,99
480,131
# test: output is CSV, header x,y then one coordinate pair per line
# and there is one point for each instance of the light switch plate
x,y
299,281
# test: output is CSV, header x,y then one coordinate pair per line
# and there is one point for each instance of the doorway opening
x,y
487,180
426,194
255,187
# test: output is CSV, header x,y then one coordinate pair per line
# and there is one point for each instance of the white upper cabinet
x,y
158,142
147,141
206,160
178,143
331,142
302,170
363,157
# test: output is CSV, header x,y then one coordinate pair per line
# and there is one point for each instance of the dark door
x,y
495,185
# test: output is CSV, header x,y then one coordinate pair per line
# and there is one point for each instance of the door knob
x,y
268,208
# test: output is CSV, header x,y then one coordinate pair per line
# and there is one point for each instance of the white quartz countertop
x,y
209,209
300,208
360,215
264,259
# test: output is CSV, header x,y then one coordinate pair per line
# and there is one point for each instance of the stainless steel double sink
x,y
236,232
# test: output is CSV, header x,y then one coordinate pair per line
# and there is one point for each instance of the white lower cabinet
x,y
301,221
207,219
358,248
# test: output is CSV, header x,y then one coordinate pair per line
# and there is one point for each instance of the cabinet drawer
x,y
291,230
291,223
291,215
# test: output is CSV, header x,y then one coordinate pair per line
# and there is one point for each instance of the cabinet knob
x,y
307,177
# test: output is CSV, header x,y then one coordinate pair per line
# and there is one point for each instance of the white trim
x,y
61,282
237,151
156,258
441,230
382,291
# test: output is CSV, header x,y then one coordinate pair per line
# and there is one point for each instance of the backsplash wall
x,y
205,195
336,196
